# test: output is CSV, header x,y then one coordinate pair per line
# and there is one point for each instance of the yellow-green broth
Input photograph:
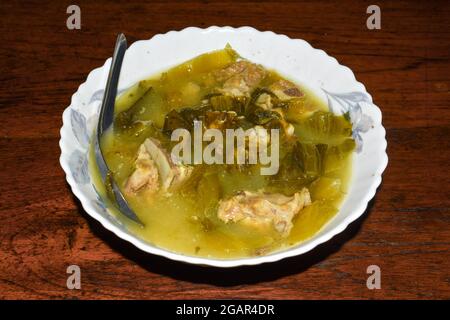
x,y
185,221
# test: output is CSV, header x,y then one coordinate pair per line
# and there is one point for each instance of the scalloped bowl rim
x,y
299,249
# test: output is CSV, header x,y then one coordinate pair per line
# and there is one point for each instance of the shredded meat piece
x,y
285,90
259,210
264,101
145,174
240,78
155,169
231,70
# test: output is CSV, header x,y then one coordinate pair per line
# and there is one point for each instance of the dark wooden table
x,y
406,231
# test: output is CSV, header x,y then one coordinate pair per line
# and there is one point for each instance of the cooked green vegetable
x,y
136,92
324,127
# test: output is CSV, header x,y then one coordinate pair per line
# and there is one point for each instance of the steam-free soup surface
x,y
227,210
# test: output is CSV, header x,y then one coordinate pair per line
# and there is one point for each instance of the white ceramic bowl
x,y
295,59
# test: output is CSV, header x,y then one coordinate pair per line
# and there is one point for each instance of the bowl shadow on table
x,y
226,277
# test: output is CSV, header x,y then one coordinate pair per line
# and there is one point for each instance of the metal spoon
x,y
105,121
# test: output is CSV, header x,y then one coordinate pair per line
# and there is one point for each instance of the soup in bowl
x,y
227,159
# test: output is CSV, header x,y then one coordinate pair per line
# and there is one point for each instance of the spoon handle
x,y
107,109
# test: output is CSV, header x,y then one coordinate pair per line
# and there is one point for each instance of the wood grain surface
x,y
405,231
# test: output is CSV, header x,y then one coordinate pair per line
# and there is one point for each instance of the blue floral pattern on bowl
x,y
78,159
349,104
